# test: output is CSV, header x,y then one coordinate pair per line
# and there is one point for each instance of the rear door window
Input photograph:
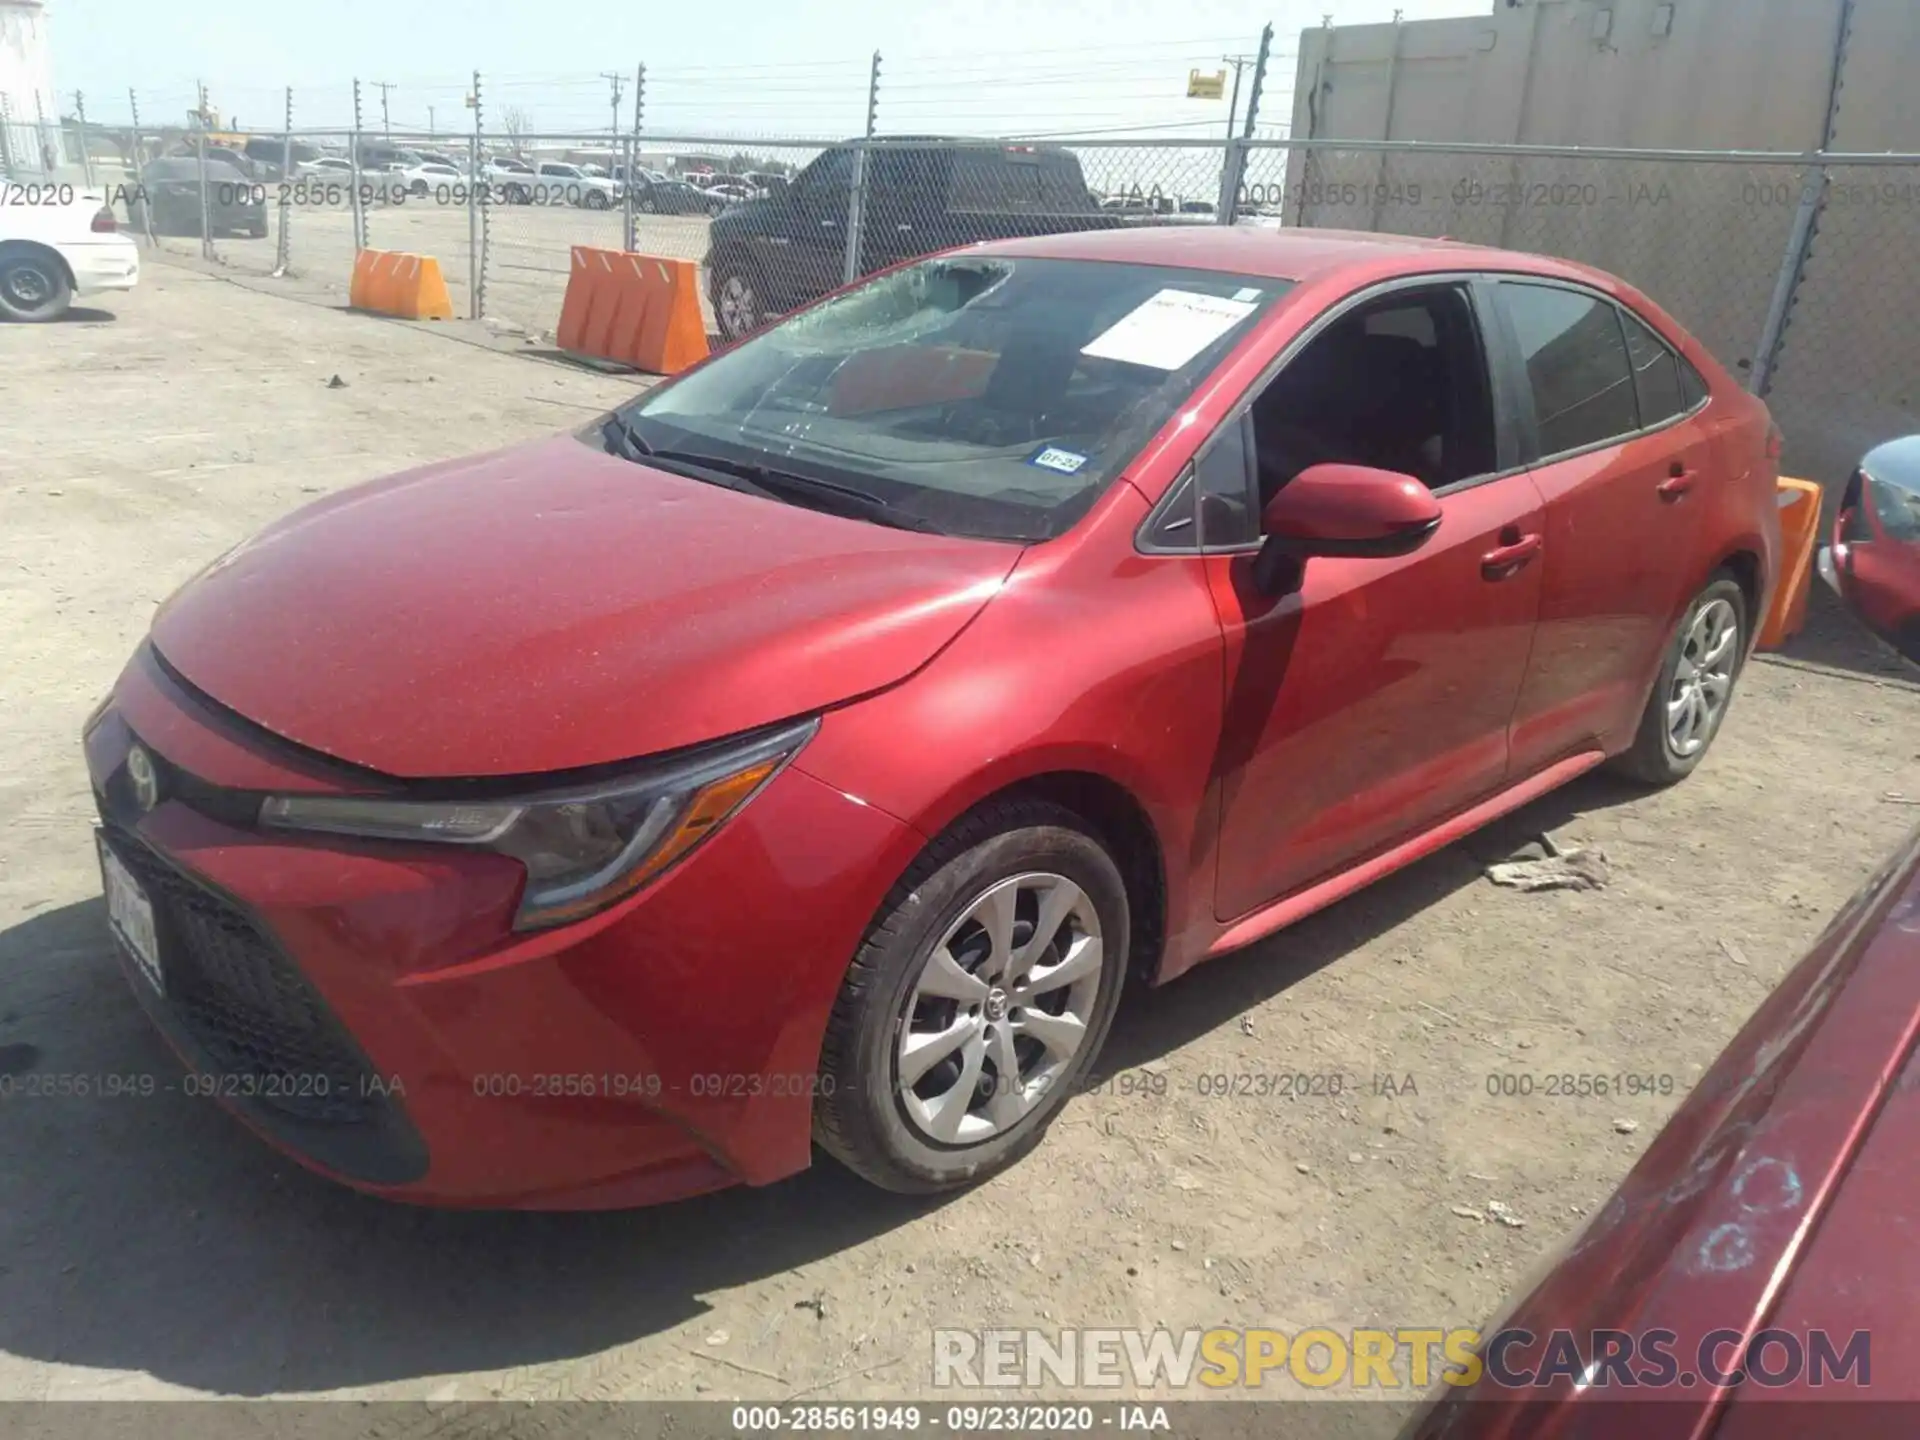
x,y
1575,355
1656,375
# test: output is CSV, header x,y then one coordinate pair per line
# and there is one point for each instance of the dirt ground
x,y
151,1247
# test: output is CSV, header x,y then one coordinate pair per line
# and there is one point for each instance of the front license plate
x,y
131,914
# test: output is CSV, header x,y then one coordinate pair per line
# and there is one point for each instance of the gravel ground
x,y
151,1247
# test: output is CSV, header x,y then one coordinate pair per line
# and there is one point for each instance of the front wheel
x,y
594,200
978,1000
1695,688
33,287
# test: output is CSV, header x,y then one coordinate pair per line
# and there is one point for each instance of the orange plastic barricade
x,y
393,282
1799,532
637,310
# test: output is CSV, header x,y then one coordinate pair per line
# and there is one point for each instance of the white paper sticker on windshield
x,y
1169,329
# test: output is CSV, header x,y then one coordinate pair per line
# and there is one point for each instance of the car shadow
x,y
86,315
143,1230
151,1233
1213,994
1835,639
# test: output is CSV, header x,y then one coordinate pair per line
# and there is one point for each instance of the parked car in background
x,y
425,179
768,256
269,155
59,241
732,192
1873,559
859,618
513,180
1766,1221
168,200
557,183
674,197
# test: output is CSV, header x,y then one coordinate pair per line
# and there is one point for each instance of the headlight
x,y
585,846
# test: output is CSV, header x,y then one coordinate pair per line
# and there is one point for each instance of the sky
x,y
746,68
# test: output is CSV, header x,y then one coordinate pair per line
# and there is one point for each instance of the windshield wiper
x,y
815,493
623,438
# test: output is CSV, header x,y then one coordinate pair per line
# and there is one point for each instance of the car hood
x,y
552,606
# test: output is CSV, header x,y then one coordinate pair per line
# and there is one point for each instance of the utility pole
x,y
386,125
616,81
1239,63
205,122
429,122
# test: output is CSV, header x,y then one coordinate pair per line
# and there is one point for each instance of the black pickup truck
x,y
774,254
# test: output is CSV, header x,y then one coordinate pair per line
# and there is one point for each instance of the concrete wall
x,y
1706,240
26,80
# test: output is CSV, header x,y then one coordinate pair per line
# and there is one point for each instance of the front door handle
x,y
1510,559
1678,482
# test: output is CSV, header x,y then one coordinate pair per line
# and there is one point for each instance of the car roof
x,y
1282,254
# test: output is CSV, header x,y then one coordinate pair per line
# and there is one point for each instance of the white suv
x,y
557,183
58,241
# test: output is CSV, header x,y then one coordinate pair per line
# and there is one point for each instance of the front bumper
x,y
106,262
660,1049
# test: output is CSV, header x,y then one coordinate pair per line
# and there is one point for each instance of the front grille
x,y
265,1035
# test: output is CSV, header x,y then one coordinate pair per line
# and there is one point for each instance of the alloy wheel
x,y
1001,1006
739,306
1703,680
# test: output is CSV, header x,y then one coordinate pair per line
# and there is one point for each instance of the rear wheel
x,y
33,286
979,998
1695,688
738,306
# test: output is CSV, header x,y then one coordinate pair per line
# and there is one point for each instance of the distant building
x,y
1713,242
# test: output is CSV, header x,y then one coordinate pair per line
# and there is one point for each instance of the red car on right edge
x,y
1874,560
1756,1273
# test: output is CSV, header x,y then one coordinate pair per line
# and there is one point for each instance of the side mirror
x,y
1350,511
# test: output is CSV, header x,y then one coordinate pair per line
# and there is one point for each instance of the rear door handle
x,y
1509,560
1678,482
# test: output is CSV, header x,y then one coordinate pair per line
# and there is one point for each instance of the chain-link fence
x,y
1797,271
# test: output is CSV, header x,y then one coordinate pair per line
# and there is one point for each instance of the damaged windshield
x,y
986,395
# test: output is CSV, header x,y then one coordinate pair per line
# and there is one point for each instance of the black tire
x,y
594,200
519,195
859,1116
33,285
1654,760
257,230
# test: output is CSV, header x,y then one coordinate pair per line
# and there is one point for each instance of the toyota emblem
x,y
146,779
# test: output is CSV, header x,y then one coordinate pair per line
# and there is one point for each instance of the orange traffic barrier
x,y
638,310
392,282
1800,533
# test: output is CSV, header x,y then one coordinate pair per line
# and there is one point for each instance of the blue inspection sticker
x,y
1054,458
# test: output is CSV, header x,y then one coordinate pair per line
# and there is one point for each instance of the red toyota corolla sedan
x,y
809,750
